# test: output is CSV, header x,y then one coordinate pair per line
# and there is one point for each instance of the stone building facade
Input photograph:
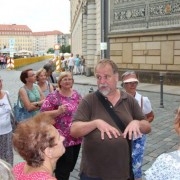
x,y
86,29
25,39
143,35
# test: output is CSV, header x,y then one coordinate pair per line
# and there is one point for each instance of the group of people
x,y
112,124
76,65
37,96
3,61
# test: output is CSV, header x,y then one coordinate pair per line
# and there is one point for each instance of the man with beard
x,y
106,153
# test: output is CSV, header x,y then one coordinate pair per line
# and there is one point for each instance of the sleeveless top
x,y
47,90
33,96
18,171
5,109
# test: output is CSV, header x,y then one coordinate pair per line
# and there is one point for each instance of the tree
x,y
62,49
68,49
50,50
65,49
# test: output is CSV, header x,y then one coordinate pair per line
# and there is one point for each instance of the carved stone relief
x,y
84,7
144,15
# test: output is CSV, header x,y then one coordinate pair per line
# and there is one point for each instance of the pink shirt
x,y
64,121
18,171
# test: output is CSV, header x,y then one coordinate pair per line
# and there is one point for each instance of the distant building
x,y
86,29
25,39
22,35
42,41
141,35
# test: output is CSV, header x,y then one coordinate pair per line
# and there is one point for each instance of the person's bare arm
x,y
54,113
40,102
80,129
150,116
25,99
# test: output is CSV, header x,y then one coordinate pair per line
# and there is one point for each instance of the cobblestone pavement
x,y
161,139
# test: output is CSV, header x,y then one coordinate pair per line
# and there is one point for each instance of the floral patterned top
x,y
63,121
166,167
18,171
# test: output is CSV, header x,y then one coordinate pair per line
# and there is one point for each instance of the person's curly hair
x,y
32,137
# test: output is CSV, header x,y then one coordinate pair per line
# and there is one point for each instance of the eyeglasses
x,y
66,80
31,75
132,83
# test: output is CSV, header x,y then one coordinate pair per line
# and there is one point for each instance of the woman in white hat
x,y
129,83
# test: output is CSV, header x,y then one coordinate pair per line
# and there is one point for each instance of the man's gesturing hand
x,y
106,128
133,130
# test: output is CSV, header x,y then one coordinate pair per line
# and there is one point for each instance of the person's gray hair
x,y
48,67
104,62
5,171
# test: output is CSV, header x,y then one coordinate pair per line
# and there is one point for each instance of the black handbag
x,y
119,123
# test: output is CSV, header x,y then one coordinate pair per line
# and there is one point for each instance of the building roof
x,y
14,28
45,33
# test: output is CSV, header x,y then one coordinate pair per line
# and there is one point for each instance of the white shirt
x,y
146,103
5,121
166,167
71,61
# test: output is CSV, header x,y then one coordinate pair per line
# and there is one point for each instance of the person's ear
x,y
48,152
117,77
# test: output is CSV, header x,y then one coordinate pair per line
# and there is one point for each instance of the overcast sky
x,y
38,15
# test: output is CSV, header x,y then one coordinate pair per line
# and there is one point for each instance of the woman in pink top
x,y
40,145
62,104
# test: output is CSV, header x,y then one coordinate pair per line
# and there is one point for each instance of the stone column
x,y
84,29
91,33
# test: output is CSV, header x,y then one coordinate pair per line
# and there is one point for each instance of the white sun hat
x,y
129,77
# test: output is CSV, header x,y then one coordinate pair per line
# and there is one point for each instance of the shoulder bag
x,y
119,123
21,113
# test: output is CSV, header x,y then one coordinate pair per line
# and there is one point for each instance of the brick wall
x,y
148,54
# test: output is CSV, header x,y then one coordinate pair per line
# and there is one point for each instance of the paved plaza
x,y
161,139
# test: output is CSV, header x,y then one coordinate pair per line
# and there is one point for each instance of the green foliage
x,y
68,49
50,50
62,49
65,49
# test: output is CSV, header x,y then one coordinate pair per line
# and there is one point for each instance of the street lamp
x,y
104,46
